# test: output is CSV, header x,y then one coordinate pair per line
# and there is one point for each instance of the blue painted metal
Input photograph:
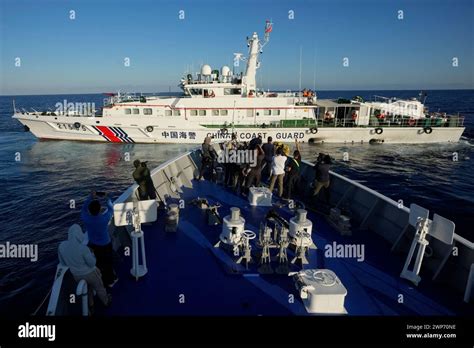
x,y
187,263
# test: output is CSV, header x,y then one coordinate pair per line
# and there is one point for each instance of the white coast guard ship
x,y
218,103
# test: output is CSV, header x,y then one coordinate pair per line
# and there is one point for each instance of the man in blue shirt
x,y
96,223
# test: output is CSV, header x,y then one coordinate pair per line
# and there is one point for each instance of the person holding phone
x,y
96,223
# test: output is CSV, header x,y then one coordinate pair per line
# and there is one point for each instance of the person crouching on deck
x,y
99,240
82,264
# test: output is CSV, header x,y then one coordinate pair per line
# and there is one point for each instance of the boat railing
x,y
406,122
388,218
370,210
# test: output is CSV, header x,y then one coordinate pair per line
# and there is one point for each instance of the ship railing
x,y
386,217
69,113
405,122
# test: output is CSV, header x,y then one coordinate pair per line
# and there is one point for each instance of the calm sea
x,y
37,190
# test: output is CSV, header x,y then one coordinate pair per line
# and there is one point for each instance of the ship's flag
x,y
268,27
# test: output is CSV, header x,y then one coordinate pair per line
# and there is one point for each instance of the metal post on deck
x,y
82,291
138,270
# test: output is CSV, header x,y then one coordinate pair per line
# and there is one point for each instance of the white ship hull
x,y
99,129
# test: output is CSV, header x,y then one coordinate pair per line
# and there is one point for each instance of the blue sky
x,y
86,55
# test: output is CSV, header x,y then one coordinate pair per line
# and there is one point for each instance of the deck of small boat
x,y
187,275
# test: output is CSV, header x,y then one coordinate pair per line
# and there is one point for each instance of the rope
x,y
42,302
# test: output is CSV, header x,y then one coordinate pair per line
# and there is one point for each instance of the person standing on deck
x,y
230,147
208,155
278,171
255,173
142,176
99,240
82,264
322,167
292,176
269,150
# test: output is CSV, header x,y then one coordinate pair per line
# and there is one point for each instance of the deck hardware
x,y
265,241
133,214
282,256
416,211
246,258
82,291
300,230
422,228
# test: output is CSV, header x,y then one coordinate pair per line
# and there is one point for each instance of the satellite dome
x,y
225,70
206,70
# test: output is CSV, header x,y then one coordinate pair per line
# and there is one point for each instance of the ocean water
x,y
36,192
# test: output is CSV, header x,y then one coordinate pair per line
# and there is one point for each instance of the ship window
x,y
128,111
215,112
194,112
168,113
232,91
224,112
276,112
176,113
147,111
136,111
202,112
267,112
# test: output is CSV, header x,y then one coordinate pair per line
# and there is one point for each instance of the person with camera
x,y
96,223
208,156
142,176
322,167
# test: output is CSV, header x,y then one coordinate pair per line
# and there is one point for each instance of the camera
x,y
320,157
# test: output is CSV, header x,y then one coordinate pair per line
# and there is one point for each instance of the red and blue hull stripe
x,y
113,134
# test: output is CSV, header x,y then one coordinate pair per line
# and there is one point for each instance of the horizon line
x,y
321,90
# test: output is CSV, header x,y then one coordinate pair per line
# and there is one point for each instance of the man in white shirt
x,y
278,171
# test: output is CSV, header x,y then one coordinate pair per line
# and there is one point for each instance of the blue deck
x,y
187,263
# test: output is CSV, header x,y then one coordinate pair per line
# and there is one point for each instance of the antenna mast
x,y
301,53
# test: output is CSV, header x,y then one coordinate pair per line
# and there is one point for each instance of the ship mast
x,y
255,48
